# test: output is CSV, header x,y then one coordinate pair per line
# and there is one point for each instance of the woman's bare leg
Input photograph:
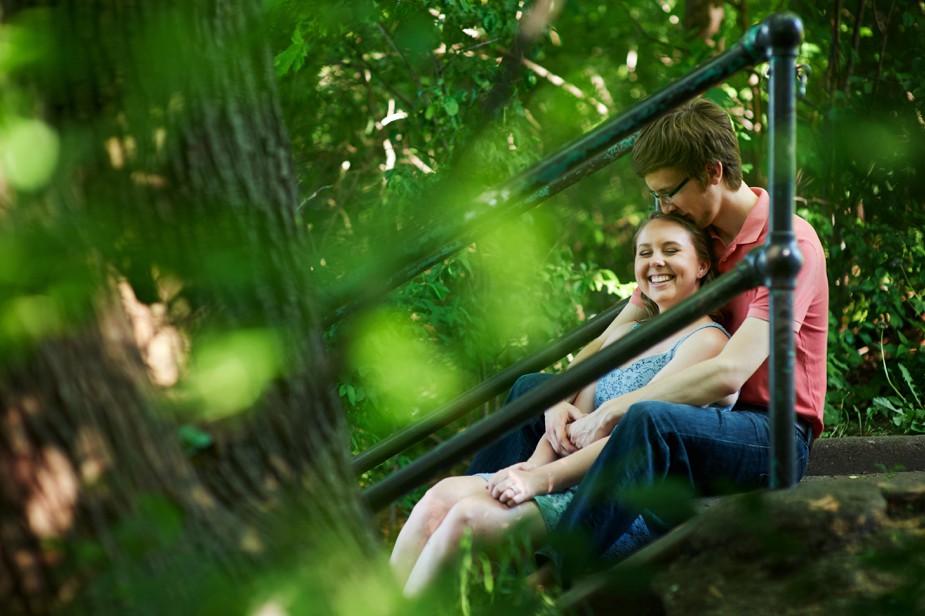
x,y
487,519
426,517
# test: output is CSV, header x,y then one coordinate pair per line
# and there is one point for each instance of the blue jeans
x,y
518,445
711,450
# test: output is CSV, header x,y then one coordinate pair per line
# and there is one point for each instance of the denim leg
x,y
710,449
518,445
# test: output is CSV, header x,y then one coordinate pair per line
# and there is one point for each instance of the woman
x,y
672,260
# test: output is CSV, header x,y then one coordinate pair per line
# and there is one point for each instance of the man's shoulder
x,y
801,223
806,234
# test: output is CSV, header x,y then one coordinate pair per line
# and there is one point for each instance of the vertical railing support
x,y
783,259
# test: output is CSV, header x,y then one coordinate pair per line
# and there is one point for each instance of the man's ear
x,y
715,172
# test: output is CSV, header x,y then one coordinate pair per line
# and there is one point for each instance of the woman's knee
x,y
469,514
446,493
437,502
451,528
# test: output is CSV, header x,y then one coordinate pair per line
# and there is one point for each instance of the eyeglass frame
x,y
669,195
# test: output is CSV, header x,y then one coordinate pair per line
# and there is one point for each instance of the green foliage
x,y
459,318
861,132
45,286
384,100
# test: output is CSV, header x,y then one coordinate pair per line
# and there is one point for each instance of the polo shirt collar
x,y
757,219
755,223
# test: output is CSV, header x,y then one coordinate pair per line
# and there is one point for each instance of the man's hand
x,y
517,484
558,419
593,426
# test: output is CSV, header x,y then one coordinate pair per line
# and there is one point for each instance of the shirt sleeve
x,y
808,279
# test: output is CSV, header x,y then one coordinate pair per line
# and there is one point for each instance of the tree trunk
x,y
175,175
702,19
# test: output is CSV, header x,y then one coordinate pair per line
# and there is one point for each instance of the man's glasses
x,y
666,197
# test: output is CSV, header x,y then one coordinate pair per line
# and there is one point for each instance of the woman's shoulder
x,y
714,328
708,332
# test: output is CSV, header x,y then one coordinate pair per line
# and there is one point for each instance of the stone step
x,y
863,455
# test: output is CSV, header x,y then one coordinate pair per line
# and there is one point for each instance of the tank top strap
x,y
671,351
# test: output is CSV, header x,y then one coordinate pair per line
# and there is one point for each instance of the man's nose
x,y
667,208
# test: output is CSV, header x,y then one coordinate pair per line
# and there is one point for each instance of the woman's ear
x,y
703,269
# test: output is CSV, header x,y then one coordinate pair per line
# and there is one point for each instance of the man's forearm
x,y
697,385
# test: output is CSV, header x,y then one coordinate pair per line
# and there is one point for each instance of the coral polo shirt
x,y
810,311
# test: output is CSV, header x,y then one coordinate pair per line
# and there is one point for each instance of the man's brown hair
x,y
690,137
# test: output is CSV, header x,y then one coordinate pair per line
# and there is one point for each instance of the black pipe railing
x,y
437,246
747,275
776,266
785,33
571,163
486,390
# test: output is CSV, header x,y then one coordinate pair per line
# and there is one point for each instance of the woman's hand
x,y
517,484
558,419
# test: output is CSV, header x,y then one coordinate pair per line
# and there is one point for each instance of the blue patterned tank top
x,y
638,374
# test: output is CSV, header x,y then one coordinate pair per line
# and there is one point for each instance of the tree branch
x,y
884,30
855,44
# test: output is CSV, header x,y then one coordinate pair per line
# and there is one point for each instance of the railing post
x,y
782,256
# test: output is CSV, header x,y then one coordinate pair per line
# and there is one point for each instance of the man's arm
x,y
702,383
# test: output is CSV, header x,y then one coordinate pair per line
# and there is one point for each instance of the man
x,y
690,161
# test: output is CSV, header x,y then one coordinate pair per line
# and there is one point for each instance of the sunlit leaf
x,y
28,153
229,372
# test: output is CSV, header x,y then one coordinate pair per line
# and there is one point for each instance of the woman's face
x,y
667,267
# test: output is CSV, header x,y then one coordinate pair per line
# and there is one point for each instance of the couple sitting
x,y
668,412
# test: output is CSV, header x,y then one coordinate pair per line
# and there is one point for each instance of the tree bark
x,y
702,19
176,175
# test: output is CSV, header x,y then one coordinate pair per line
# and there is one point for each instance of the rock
x,y
823,547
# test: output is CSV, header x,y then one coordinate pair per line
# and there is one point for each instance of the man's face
x,y
690,200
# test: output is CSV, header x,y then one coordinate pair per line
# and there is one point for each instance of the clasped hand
x,y
589,428
558,420
568,429
516,484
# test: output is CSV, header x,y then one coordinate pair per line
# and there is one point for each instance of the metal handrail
x,y
784,35
776,265
566,166
486,390
745,276
436,246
